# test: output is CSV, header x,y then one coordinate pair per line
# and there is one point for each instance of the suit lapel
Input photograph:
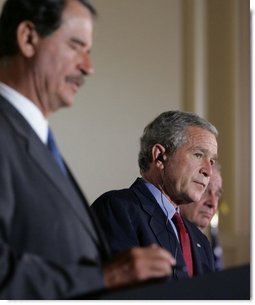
x,y
105,248
159,224
157,221
40,154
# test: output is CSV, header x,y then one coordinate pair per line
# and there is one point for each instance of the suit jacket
x,y
132,217
50,245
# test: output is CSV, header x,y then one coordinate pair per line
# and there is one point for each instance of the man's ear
x,y
27,38
158,156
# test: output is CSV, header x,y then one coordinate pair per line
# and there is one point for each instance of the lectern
x,y
230,284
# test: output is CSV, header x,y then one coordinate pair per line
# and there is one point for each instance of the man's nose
x,y
212,200
86,65
206,169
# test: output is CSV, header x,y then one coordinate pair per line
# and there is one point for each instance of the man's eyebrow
x,y
79,42
205,151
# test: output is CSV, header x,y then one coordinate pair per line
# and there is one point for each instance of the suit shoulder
x,y
123,199
123,195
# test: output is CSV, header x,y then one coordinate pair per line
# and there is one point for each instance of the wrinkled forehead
x,y
200,138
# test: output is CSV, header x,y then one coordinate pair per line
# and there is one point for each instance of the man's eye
x,y
219,194
198,155
73,46
212,162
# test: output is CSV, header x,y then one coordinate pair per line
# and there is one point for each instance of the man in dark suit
x,y
177,155
50,245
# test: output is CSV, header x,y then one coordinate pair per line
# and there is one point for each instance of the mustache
x,y
78,79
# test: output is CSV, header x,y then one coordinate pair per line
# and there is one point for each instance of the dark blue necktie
x,y
52,145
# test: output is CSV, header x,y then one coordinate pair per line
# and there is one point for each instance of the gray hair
x,y
169,130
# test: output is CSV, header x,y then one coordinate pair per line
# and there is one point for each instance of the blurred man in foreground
x,y
51,247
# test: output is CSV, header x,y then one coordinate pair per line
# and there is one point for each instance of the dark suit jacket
x,y
50,246
132,217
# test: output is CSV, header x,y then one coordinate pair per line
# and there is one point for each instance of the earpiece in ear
x,y
160,158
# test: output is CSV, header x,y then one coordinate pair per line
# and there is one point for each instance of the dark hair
x,y
169,130
46,15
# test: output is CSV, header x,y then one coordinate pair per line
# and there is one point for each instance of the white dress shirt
x,y
31,113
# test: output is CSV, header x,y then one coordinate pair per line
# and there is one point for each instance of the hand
x,y
138,264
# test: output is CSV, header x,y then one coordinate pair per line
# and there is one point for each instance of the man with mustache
x,y
51,247
177,154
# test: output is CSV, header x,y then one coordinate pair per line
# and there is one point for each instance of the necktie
x,y
185,242
52,145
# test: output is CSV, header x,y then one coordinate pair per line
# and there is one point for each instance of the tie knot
x,y
177,218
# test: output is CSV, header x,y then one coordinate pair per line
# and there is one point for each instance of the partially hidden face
x,y
187,172
202,212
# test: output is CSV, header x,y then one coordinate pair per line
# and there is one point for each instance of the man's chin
x,y
205,224
196,197
188,198
68,103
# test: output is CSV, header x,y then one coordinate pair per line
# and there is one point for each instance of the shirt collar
x,y
165,204
28,110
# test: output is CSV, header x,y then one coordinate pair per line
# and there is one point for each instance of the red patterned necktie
x,y
185,242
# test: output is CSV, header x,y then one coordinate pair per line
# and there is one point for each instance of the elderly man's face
x,y
201,212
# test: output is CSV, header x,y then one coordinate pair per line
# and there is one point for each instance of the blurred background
x,y
152,56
